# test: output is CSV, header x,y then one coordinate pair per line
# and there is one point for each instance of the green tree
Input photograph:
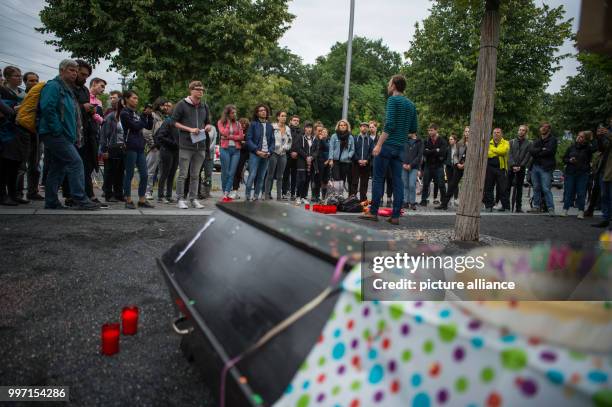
x,y
372,65
168,41
585,100
443,56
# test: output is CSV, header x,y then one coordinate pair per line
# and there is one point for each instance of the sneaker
x,y
149,196
413,207
580,215
130,205
305,202
406,205
298,201
182,204
551,212
103,205
36,197
112,199
436,202
423,203
284,198
564,213
196,204
145,204
87,206
233,195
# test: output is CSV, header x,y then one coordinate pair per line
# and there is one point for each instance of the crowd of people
x,y
64,123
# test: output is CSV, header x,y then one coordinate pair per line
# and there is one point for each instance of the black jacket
x,y
435,154
168,135
544,152
363,148
582,153
296,136
520,155
304,151
413,153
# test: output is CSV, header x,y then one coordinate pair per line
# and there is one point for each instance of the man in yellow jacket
x,y
497,172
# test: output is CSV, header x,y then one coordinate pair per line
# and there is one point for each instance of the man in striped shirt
x,y
400,123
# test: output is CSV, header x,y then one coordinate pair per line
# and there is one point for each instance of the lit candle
x,y
129,318
110,339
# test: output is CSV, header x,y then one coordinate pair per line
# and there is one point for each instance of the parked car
x,y
558,179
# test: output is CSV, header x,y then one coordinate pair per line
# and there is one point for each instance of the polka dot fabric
x,y
420,354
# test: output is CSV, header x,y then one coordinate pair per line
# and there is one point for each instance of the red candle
x,y
129,318
110,339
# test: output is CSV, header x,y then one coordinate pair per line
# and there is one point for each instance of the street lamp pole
x,y
349,56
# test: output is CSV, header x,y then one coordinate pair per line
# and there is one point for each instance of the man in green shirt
x,y
400,123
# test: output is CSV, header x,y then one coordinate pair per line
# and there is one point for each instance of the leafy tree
x,y
167,41
372,65
585,100
443,56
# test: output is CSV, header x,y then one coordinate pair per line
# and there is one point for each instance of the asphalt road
x,y
63,276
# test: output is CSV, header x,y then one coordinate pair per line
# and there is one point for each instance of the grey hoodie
x,y
190,115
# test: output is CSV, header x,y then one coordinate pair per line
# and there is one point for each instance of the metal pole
x,y
349,56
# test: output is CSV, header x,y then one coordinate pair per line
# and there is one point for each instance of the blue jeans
x,y
138,159
606,199
409,178
257,174
390,156
63,161
542,181
575,186
229,162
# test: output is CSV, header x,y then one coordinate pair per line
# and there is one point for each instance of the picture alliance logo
x,y
411,264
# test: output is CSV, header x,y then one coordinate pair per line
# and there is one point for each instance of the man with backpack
x,y
59,129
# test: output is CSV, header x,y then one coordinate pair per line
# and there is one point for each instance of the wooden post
x,y
467,223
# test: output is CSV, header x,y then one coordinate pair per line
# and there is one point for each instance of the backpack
x,y
28,114
350,205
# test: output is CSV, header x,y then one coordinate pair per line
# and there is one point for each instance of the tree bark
x,y
467,223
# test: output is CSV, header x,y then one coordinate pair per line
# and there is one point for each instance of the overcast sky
x,y
317,26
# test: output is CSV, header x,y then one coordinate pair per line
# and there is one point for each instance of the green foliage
x,y
443,57
372,65
168,41
586,99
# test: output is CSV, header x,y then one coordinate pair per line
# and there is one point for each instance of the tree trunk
x,y
467,224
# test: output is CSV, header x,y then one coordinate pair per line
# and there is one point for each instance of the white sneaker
x,y
580,214
551,212
149,196
196,204
298,201
564,213
182,204
233,195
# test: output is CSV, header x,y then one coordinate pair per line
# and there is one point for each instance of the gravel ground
x,y
59,284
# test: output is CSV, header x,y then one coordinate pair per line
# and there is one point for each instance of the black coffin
x,y
251,267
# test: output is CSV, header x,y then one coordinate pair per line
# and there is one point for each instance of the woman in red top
x,y
232,137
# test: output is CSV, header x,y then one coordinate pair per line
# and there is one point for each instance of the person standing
x,y
278,158
412,159
132,124
434,156
604,145
30,168
306,149
361,163
449,165
341,151
290,175
167,138
59,129
191,116
518,162
400,123
14,142
112,147
458,167
244,158
497,175
260,142
321,174
577,159
232,138
159,111
543,152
